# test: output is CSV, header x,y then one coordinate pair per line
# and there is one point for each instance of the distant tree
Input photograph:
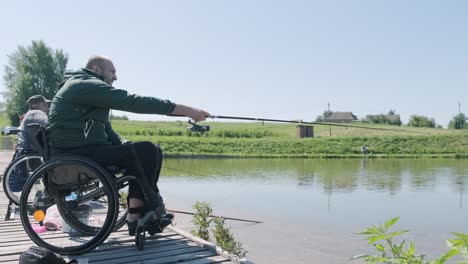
x,y
458,122
421,121
114,117
35,69
324,116
384,120
391,112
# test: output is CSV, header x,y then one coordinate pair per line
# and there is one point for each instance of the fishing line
x,y
312,123
226,197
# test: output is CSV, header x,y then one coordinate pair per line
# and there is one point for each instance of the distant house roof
x,y
341,117
392,118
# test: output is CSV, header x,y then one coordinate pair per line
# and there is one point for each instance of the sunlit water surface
x,y
311,208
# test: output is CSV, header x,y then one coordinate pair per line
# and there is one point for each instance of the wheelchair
x,y
84,195
22,165
18,171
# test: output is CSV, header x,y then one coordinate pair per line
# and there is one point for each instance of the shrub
x,y
384,120
421,121
458,122
114,117
389,251
224,238
202,220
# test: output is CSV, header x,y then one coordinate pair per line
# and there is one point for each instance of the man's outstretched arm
x,y
194,113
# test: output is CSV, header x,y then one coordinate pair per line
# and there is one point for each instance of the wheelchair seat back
x,y
38,139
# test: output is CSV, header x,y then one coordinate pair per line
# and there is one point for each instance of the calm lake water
x,y
311,208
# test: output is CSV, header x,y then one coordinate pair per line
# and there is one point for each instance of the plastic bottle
x,y
72,197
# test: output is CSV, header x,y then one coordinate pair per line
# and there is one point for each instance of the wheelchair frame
x,y
110,187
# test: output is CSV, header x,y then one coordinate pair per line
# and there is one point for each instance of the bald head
x,y
103,66
97,61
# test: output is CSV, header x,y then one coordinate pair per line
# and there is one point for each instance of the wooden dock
x,y
171,246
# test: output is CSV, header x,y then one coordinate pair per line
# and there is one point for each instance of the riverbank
x,y
270,140
434,146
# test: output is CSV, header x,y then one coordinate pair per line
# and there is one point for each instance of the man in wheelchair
x,y
36,114
79,124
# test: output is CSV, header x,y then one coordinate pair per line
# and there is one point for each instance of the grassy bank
x,y
3,122
279,140
229,139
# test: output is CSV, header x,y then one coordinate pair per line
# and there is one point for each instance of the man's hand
x,y
194,113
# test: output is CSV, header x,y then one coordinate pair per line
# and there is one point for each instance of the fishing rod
x,y
227,218
206,128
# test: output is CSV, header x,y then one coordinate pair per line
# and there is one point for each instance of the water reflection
x,y
330,175
313,203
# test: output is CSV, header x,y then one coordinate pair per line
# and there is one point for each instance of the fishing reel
x,y
197,128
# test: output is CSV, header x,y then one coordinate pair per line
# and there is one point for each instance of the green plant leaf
x,y
411,249
398,233
380,247
391,222
372,240
452,252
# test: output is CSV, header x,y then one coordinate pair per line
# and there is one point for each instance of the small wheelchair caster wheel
x,y
140,241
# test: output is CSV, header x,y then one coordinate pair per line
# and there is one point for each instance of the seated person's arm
x,y
113,137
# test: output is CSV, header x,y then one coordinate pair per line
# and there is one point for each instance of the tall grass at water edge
x,y
279,140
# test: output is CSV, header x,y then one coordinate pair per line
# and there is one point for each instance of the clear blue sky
x,y
272,59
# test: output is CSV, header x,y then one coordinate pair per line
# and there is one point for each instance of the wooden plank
x,y
170,246
181,258
152,250
118,245
214,259
209,245
130,242
116,241
120,248
144,255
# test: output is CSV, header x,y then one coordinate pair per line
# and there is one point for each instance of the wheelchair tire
x,y
14,196
29,222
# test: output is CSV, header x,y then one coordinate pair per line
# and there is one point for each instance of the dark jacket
x,y
33,116
79,112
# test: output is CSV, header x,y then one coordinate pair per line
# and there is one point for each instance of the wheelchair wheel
x,y
39,205
16,174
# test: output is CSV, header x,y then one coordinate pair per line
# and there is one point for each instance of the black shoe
x,y
150,222
132,226
156,225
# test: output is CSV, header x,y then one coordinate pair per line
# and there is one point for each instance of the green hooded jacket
x,y
79,112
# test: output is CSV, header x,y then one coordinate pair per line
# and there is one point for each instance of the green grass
x,y
4,119
3,122
279,140
257,139
277,130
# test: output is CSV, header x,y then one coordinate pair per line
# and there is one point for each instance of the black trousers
x,y
141,159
